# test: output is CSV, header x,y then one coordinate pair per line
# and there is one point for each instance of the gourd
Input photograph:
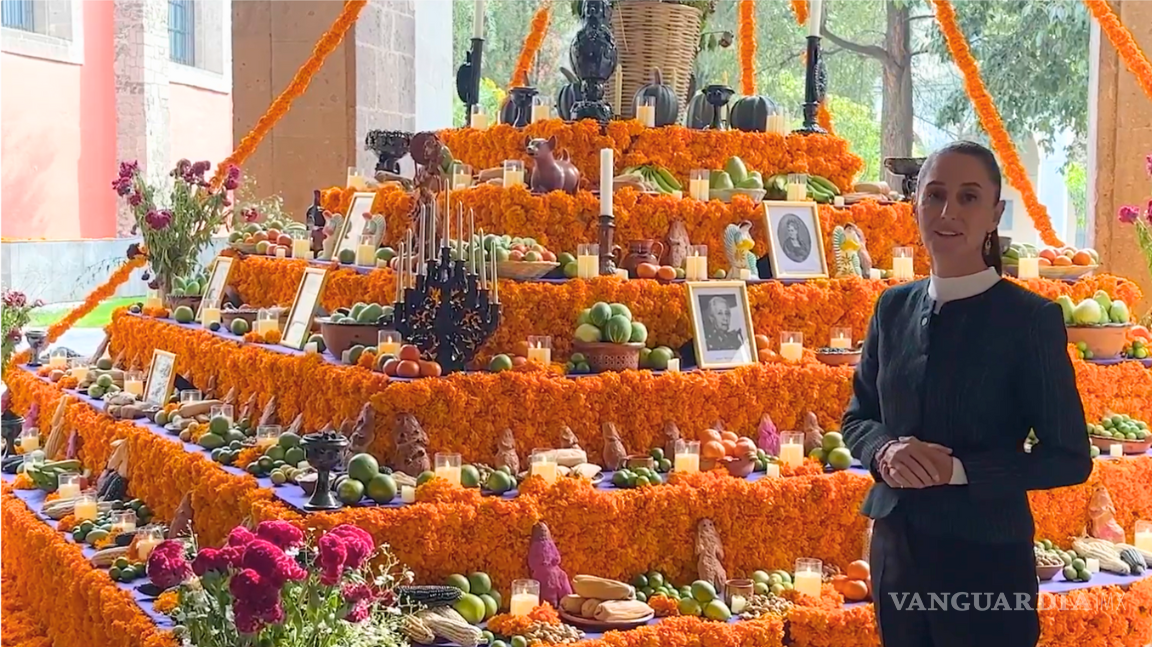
x,y
667,107
1134,560
750,114
569,95
700,112
416,631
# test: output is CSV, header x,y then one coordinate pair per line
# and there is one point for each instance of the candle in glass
x,y
696,263
808,575
543,463
267,321
587,261
448,467
687,457
86,507
191,395
222,410
68,486
1143,537
792,448
152,299
124,521
673,365
1116,450
79,369
134,383
540,349
267,435
388,343
792,346
841,338
30,440
607,175
797,188
357,180
902,264
461,176
209,315
541,108
478,120
147,540
646,112
1028,266
301,245
58,359
366,251
772,470
698,181
513,173
737,593
525,597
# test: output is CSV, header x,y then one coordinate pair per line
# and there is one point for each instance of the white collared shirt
x,y
942,290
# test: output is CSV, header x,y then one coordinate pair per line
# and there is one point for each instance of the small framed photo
x,y
214,293
721,324
161,377
795,240
296,331
356,223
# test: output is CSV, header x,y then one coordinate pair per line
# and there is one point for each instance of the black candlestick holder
x,y
812,90
468,78
323,451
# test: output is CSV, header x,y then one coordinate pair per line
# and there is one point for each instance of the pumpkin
x,y
750,114
667,107
569,95
700,113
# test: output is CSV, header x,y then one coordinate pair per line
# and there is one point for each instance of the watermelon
x,y
618,330
600,314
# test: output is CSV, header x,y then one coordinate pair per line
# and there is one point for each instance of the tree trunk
x,y
897,116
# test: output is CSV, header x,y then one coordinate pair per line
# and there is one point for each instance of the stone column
x,y
384,60
141,71
1120,135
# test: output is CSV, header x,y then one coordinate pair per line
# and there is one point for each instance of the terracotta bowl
x,y
637,461
604,357
175,302
1105,342
839,359
740,467
1046,573
1131,447
340,337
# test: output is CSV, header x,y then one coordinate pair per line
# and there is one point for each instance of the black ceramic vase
x,y
593,56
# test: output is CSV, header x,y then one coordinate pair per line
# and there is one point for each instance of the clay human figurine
x,y
568,439
1102,517
671,438
544,566
738,246
411,446
614,454
551,172
297,425
73,450
210,391
506,452
862,254
767,436
230,396
248,411
813,434
677,244
182,519
710,555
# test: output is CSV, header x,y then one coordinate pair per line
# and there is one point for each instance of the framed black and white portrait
x,y
721,324
796,241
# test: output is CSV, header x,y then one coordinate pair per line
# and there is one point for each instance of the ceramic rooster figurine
x,y
846,247
738,246
862,255
544,566
506,452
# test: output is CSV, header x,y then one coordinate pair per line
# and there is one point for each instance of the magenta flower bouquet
x,y
1142,220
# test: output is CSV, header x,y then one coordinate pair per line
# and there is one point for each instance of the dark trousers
x,y
932,591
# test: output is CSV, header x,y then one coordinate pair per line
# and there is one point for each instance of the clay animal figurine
x,y
73,450
862,254
506,452
710,555
1102,517
230,396
738,246
210,391
408,431
767,436
614,454
364,431
568,439
846,248
677,244
544,566
333,224
671,438
411,446
551,172
813,434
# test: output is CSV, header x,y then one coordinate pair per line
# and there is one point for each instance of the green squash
x,y
700,113
667,107
750,114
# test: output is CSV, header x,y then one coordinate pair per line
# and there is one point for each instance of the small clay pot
x,y
740,467
637,461
1105,342
340,337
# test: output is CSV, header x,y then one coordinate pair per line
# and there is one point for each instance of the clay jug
x,y
641,251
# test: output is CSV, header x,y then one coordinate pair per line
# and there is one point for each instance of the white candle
x,y
875,274
301,247
478,19
281,252
792,449
673,365
686,463
449,473
135,387
793,351
587,266
1116,450
902,268
479,120
1093,565
807,583
85,509
79,372
1143,541
647,115
365,255
209,315
838,201
145,546
545,469
1029,268
408,494
772,471
607,173
541,112
72,490
814,8
311,348
745,274
30,443
618,78
540,355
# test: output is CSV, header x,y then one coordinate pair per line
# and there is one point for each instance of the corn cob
x,y
1104,551
416,630
428,596
446,623
108,556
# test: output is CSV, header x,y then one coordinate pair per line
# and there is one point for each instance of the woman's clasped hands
x,y
912,463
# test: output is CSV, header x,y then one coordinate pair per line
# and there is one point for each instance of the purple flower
x,y
158,220
122,186
232,179
135,199
200,168
1128,214
280,533
1148,164
15,299
181,169
129,169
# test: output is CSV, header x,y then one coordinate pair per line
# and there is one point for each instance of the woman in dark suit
x,y
955,370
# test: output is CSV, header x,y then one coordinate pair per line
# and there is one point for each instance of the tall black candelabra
x,y
446,305
468,78
812,89
593,55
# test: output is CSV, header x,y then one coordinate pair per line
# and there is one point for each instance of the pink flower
x,y
280,533
1128,214
271,563
357,542
358,613
158,220
359,592
331,555
232,179
210,560
167,566
250,214
135,199
240,536
232,555
1148,164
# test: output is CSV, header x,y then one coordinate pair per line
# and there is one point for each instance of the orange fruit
x,y
410,353
520,349
548,256
766,355
745,445
729,435
1082,259
519,360
729,447
763,342
408,368
1044,262
429,369
854,590
666,273
858,570
259,236
838,582
1062,261
1048,253
712,450
391,366
273,234
646,271
709,434
515,255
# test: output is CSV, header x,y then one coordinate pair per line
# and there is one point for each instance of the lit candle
x,y
513,173
541,109
1028,268
792,346
448,467
792,448
461,176
478,19
525,597
814,8
540,350
86,508
123,522
696,263
738,592
841,338
388,343
744,274
301,247
875,274
838,201
587,261
698,188
58,361
797,188
543,463
772,470
267,435
30,441
68,486
646,112
1143,540
808,576
607,173
80,371
1116,450
1092,564
902,269
479,120
673,365
281,252
134,384
366,252
209,315
152,300
408,494
687,457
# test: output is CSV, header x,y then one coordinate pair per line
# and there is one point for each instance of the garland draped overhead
x,y
1126,46
536,32
747,33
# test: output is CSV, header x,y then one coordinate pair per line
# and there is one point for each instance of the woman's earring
x,y
987,243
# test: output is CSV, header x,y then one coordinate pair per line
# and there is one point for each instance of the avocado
x,y
720,180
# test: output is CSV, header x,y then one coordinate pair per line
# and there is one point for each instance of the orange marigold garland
x,y
300,82
1126,46
800,9
747,33
824,116
536,32
991,121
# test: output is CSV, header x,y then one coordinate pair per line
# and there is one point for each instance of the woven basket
x,y
172,302
524,270
606,357
652,34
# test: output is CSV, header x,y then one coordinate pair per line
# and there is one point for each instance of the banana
x,y
590,586
825,184
669,179
660,182
817,192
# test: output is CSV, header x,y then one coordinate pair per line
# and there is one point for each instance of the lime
x,y
469,476
641,596
832,440
363,467
275,452
490,606
619,309
703,591
600,313
294,456
620,479
689,607
640,581
350,491
239,326
760,576
656,453
500,482
642,481
840,458
425,476
219,425
717,610
458,581
760,588
289,440
655,579
381,488
519,641
500,363
472,608
479,583
104,381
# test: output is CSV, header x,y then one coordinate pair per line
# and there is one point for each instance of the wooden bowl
x,y
608,357
1046,573
1105,342
595,626
249,315
1131,447
637,461
340,337
524,270
839,359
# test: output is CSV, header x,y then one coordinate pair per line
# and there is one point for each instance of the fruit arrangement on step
x,y
1139,345
189,286
735,177
408,363
1121,559
605,601
833,453
648,178
450,612
570,463
186,418
819,189
1133,435
1100,310
99,531
46,474
268,237
372,314
855,584
611,323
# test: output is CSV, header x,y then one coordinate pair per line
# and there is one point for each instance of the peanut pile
x,y
764,605
560,634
